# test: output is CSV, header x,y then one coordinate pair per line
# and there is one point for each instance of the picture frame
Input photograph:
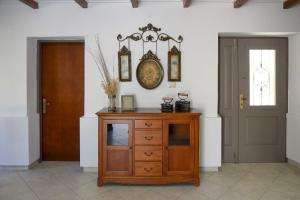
x,y
124,62
127,103
174,65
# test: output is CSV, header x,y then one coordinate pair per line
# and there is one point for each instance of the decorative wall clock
x,y
149,72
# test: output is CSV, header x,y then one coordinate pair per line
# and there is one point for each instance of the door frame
x,y
237,63
39,80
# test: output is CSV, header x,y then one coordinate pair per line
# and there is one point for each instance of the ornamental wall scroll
x,y
152,34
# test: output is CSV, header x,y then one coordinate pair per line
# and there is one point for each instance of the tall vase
x,y
112,103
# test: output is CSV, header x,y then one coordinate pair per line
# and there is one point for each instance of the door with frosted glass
x,y
262,99
253,99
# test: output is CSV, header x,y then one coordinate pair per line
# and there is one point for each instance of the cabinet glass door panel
x,y
117,134
179,134
117,147
178,147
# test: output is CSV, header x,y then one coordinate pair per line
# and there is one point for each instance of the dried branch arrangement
x,y
110,85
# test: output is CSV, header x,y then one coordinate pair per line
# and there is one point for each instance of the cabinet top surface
x,y
139,111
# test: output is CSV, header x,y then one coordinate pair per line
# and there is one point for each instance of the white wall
x,y
293,117
199,25
32,97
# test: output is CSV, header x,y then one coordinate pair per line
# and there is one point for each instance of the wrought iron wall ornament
x,y
149,71
124,59
174,64
149,33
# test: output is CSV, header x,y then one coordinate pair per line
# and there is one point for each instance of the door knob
x,y
242,101
45,104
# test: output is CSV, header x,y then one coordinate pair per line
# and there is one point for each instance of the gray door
x,y
253,98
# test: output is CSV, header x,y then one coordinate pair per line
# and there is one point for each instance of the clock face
x,y
149,73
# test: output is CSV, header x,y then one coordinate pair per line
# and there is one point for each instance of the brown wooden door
x,y
117,148
62,65
179,147
253,98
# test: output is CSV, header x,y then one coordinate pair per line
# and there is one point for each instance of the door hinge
x,y
235,157
235,44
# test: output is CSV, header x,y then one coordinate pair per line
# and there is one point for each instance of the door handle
x,y
242,101
45,104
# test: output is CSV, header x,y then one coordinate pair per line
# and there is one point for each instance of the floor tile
x,y
193,196
12,183
273,195
231,195
227,180
153,195
285,187
26,195
172,191
209,189
90,189
66,181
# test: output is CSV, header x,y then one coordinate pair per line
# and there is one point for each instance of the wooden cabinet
x,y
148,147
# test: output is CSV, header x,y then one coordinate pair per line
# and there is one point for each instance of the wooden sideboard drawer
x,y
148,123
148,168
148,138
148,153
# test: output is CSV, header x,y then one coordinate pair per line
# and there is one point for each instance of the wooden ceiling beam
x,y
135,3
31,3
82,3
239,3
186,3
290,3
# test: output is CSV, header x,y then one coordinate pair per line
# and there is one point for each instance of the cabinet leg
x,y
99,182
197,183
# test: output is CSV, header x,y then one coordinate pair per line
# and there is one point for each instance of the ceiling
x,y
126,1
135,3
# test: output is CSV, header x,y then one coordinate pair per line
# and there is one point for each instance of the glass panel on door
x,y
117,134
262,76
179,134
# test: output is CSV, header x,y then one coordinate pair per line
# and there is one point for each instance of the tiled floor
x,y
65,181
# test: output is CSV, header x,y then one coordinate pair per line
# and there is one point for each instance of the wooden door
x,y
179,144
117,148
253,98
62,90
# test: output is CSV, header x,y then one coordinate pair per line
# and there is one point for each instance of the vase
x,y
112,103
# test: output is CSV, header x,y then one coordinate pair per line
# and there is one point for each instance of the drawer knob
x,y
148,169
148,138
148,154
148,124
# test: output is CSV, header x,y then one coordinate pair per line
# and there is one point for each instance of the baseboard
x,y
19,167
209,169
89,169
14,168
35,163
294,163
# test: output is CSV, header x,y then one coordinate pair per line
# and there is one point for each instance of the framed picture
x,y
124,59
127,102
174,64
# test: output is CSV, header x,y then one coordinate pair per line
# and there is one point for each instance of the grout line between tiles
x,y
28,186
